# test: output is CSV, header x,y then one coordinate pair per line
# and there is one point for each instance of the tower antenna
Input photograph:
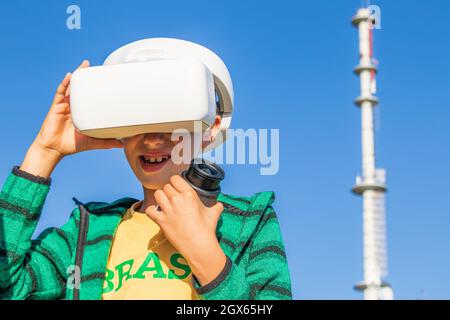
x,y
371,184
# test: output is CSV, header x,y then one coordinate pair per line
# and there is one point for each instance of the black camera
x,y
204,177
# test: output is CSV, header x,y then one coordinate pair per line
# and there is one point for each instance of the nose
x,y
154,140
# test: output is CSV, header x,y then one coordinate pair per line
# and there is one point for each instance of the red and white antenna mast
x,y
371,184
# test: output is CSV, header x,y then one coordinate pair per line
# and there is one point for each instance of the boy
x,y
129,249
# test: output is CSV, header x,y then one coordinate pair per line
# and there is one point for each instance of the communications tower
x,y
371,184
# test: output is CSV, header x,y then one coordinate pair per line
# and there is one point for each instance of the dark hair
x,y
219,102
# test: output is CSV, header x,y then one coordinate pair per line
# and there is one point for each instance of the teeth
x,y
155,159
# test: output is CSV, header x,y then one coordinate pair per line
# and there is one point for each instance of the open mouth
x,y
153,163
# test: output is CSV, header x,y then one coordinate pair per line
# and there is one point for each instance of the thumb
x,y
113,143
216,211
102,143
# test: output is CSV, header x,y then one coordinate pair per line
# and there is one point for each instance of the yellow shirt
x,y
142,264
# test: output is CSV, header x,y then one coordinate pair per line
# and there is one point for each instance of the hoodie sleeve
x,y
30,269
266,276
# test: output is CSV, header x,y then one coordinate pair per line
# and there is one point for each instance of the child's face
x,y
149,156
157,149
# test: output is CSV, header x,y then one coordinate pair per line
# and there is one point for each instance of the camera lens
x,y
205,174
208,170
205,177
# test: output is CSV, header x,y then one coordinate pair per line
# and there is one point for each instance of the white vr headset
x,y
152,85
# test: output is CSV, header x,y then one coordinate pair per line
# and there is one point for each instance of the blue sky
x,y
291,63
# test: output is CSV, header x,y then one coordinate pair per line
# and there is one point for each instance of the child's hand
x,y
190,227
58,134
58,137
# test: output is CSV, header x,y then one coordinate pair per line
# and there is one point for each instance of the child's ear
x,y
215,128
211,133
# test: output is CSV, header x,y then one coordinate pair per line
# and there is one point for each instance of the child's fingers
x,y
154,214
163,201
180,184
60,108
61,90
66,79
170,191
83,65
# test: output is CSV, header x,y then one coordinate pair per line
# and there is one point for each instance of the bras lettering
x,y
151,266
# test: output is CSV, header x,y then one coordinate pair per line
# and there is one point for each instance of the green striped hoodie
x,y
248,232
